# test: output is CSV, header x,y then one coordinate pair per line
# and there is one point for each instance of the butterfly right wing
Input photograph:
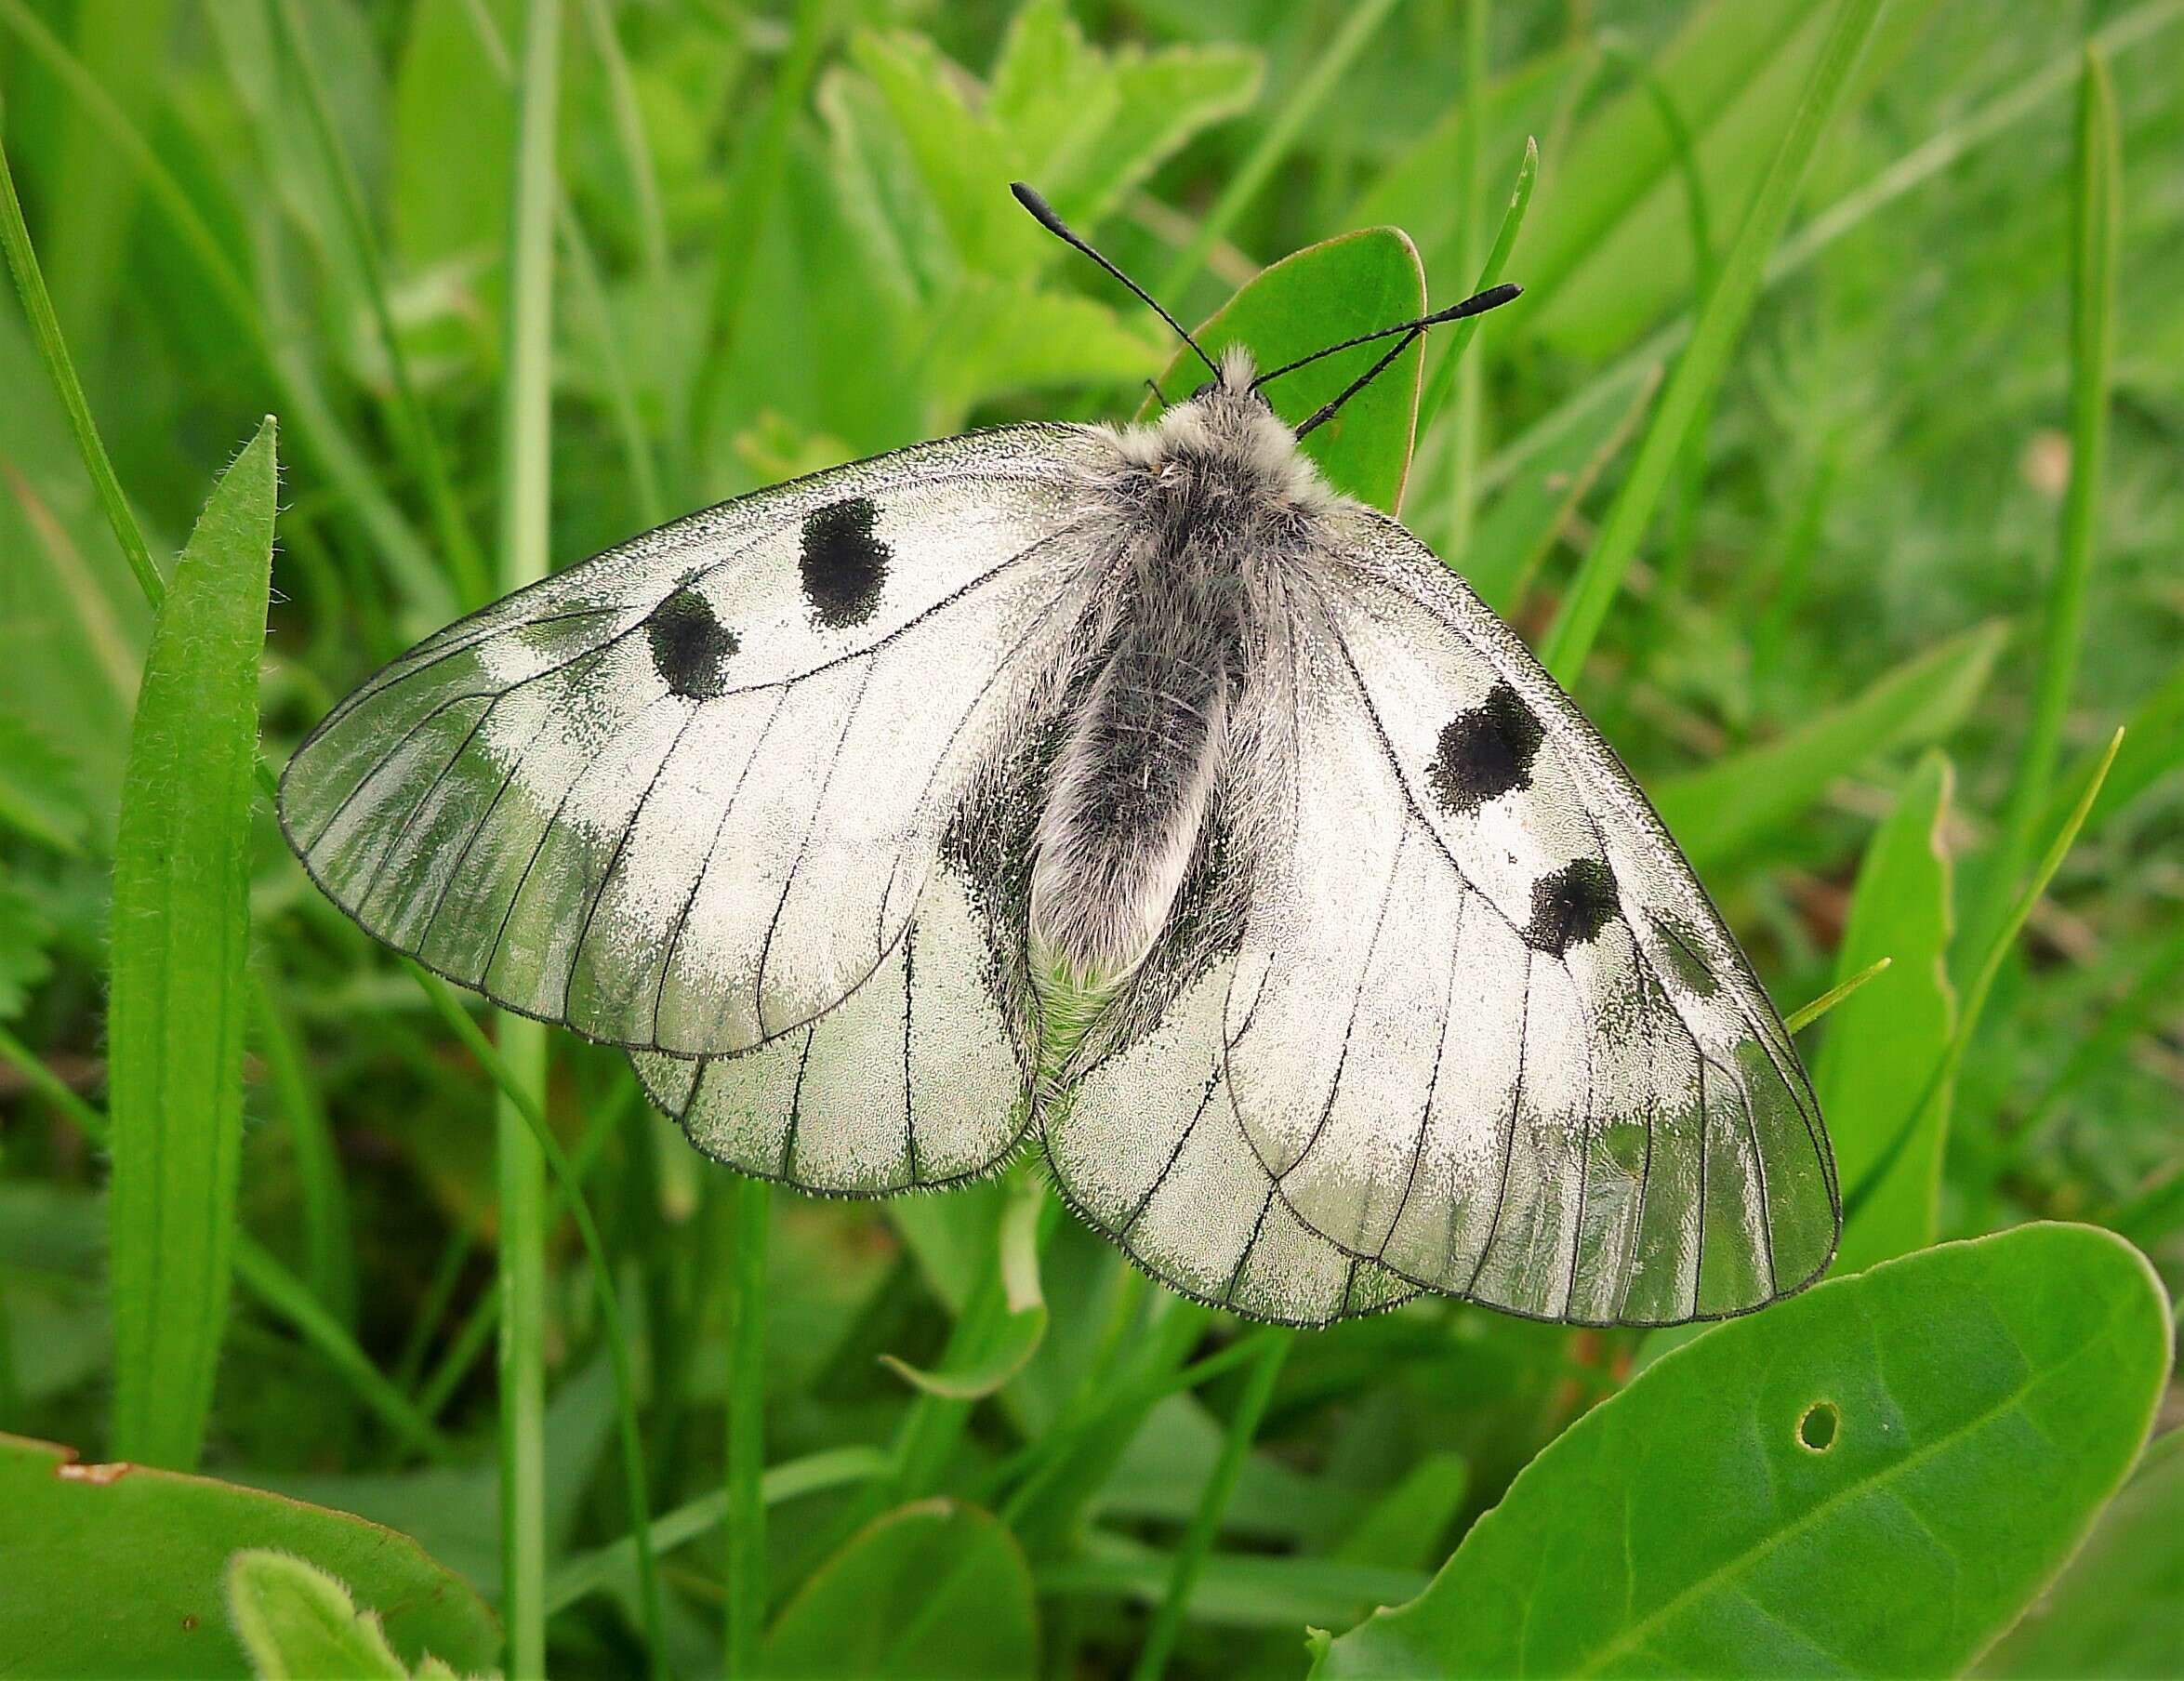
x,y
684,796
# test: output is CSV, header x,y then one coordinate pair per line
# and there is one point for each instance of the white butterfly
x,y
1129,793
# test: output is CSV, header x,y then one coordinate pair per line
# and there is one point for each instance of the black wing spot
x,y
1687,958
1572,907
844,562
690,645
1485,752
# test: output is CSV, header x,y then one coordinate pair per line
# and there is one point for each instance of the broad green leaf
x,y
1874,1477
117,1570
988,336
2114,1610
1514,534
296,1622
1723,808
1312,298
936,1588
1885,1039
181,934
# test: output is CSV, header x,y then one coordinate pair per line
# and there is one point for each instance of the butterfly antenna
x,y
1492,299
1044,214
1326,411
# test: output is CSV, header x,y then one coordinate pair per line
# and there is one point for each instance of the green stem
x,y
1197,1541
744,1553
520,1134
2096,235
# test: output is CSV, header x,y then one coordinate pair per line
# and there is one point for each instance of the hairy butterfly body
x,y
1129,794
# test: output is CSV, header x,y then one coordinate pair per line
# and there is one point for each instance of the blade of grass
x,y
2096,236
180,940
265,1277
411,420
1798,1020
1197,1540
744,1554
328,1246
310,418
30,286
521,1137
1975,998
812,1473
530,1114
1471,192
760,163
1443,378
1699,371
1273,143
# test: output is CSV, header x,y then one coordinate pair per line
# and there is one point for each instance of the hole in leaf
x,y
1816,1430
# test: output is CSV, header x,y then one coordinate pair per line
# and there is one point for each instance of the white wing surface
x,y
685,796
1487,1030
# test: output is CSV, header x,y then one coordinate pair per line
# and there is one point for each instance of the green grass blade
x,y
1197,1540
328,1244
1888,1041
2096,235
1443,377
518,1116
744,1554
181,939
519,1097
415,424
1944,1079
1804,1017
30,286
1274,145
1699,371
1471,190
309,415
1722,808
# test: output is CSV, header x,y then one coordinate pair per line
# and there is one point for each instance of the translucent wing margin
x,y
1486,1030
684,796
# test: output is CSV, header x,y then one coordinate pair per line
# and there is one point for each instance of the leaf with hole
x,y
1874,1477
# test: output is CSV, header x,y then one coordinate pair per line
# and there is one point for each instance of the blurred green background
x,y
782,240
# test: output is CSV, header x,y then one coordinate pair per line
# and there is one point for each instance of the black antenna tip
x,y
1038,208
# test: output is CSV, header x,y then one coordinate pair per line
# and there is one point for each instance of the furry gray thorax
x,y
1215,517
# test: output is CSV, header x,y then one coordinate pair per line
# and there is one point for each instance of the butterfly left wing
x,y
1487,1030
684,796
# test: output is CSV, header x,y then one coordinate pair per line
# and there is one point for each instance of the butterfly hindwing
x,y
685,796
1487,1030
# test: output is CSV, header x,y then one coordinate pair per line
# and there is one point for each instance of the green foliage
x,y
181,929
931,1589
120,1570
1827,448
1874,1476
295,1620
1889,1039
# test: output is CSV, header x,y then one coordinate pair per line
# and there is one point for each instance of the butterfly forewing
x,y
685,796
